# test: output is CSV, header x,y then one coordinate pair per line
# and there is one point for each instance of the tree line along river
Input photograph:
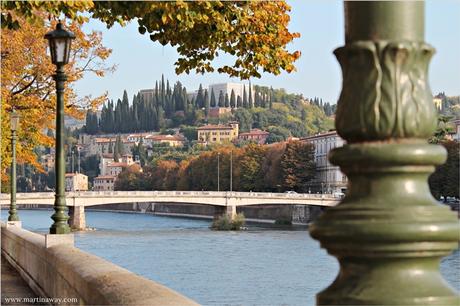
x,y
259,266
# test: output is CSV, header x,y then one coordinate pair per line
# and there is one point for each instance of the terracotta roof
x,y
104,177
73,174
138,135
215,127
104,140
167,137
254,132
107,155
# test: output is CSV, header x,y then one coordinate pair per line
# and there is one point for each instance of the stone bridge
x,y
225,202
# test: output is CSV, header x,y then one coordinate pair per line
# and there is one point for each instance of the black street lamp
x,y
60,42
13,213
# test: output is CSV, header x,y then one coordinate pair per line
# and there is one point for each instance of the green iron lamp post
x,y
388,233
13,213
60,42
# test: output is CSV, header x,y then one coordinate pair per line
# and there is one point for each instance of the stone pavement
x,y
14,287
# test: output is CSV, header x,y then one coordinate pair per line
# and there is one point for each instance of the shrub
x,y
223,223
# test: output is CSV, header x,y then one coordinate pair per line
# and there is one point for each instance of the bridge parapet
x,y
216,198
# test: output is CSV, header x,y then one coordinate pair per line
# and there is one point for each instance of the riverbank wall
x,y
55,269
296,214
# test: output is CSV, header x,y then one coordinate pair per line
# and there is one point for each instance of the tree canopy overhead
x,y
254,33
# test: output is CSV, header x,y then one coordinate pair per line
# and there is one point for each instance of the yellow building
x,y
218,133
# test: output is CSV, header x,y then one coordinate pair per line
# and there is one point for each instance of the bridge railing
x,y
224,194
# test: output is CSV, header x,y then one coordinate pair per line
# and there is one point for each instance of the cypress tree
x,y
245,98
125,113
161,118
227,100
118,117
213,98
111,118
232,99
250,96
239,102
206,104
116,151
200,98
121,148
221,99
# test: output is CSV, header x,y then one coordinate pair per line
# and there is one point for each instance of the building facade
x,y
210,134
254,135
76,182
104,183
329,178
147,94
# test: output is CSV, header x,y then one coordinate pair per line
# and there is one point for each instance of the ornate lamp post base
x,y
388,233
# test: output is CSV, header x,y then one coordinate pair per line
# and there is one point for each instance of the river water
x,y
260,266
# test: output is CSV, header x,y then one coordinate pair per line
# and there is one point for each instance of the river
x,y
260,266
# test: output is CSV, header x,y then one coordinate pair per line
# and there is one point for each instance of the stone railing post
x,y
388,233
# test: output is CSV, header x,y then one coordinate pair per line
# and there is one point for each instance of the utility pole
x,y
231,170
71,158
218,171
78,150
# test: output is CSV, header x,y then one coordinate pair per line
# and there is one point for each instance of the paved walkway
x,y
14,287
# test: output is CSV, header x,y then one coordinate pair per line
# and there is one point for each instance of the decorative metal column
x,y
388,233
60,216
60,43
13,212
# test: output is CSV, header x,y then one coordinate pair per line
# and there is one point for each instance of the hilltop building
x,y
216,112
147,94
210,133
170,140
227,88
255,135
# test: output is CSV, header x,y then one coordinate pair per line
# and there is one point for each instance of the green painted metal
x,y
60,216
389,234
13,212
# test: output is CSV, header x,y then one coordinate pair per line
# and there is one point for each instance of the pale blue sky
x,y
320,23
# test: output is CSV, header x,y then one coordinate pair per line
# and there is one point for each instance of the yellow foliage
x,y
27,84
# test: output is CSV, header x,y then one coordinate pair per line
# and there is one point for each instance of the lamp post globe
x,y
12,213
60,42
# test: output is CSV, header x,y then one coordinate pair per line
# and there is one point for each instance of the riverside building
x,y
329,178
